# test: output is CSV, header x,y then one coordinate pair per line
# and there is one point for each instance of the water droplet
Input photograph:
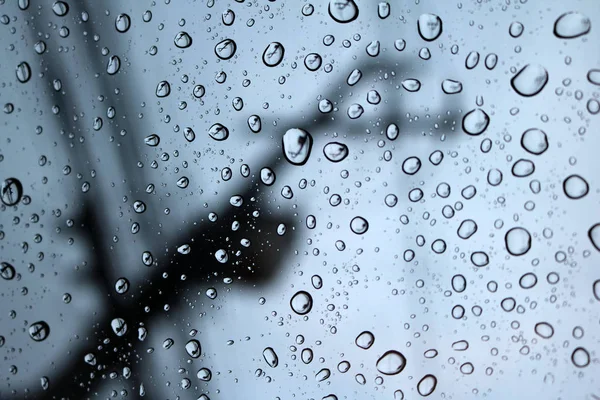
x,y
516,29
475,122
427,385
383,9
354,77
593,76
450,86
122,285
359,225
534,141
459,283
119,326
267,176
218,132
7,271
39,331
183,40
467,229
270,357
323,374
472,60
596,289
11,191
411,85
528,280
152,140
373,48
313,61
544,330
113,65
273,54
221,256
572,25
391,363
225,49
60,8
343,11
193,348
335,151
204,374
297,144
301,302
575,187
23,72
429,27
365,340
523,168
163,89
411,165
317,282
480,259
122,23
580,357
490,61
517,241
147,258
400,44
530,80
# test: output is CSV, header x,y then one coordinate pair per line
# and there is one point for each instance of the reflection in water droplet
x,y
301,302
530,80
391,363
313,61
270,357
365,340
517,241
297,144
343,11
572,25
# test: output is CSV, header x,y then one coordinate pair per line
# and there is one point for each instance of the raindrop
x,y
11,191
7,271
306,356
427,385
267,176
228,17
472,60
297,144
122,23
373,48
152,140
544,330
122,285
225,49
60,8
335,151
270,357
355,111
163,89
323,374
459,283
467,229
23,72
113,65
313,61
575,187
193,348
359,225
572,25
365,340
383,9
429,27
218,132
528,280
343,11
534,141
411,165
204,374
183,40
515,29
411,85
273,54
523,168
580,357
517,241
39,331
119,326
391,363
301,302
475,122
450,86
530,80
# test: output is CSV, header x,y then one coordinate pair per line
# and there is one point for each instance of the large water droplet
x,y
450,86
225,49
426,385
119,326
273,54
534,141
122,23
301,302
517,241
530,80
359,225
60,8
365,340
297,144
523,168
23,72
575,187
411,85
11,191
39,331
7,271
467,229
218,132
411,165
113,65
270,357
343,11
183,40
313,61
580,357
571,25
335,151
429,26
391,363
193,348
163,89
594,235
544,330
475,122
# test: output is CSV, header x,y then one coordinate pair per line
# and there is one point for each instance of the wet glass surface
x,y
299,200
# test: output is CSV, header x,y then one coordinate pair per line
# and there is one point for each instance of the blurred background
x,y
143,257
